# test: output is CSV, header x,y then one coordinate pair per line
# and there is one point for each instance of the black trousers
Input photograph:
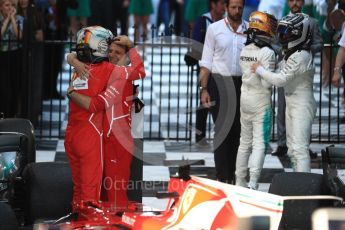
x,y
201,123
201,117
225,93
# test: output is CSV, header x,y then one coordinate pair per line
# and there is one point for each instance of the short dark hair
x,y
215,2
228,1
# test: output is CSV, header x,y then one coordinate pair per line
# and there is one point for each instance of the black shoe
x,y
280,151
312,154
68,218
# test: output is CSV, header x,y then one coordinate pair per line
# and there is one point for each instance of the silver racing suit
x,y
296,75
256,114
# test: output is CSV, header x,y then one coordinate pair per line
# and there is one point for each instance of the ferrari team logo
x,y
189,197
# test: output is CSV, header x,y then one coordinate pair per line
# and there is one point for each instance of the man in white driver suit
x,y
256,108
296,76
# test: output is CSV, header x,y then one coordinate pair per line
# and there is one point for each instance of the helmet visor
x,y
285,33
84,53
263,22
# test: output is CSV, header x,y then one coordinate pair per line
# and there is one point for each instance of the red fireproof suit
x,y
83,139
118,141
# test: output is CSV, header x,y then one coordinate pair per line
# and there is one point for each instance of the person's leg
x,y
117,160
164,10
301,116
225,93
74,25
201,122
124,20
262,132
87,144
83,22
327,66
137,23
281,130
74,165
303,119
178,9
289,137
234,134
219,156
110,13
299,153
97,12
214,94
145,20
244,150
342,119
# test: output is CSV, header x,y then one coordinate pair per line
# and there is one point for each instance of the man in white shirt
x,y
221,91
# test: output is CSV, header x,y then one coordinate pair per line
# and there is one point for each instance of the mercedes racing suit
x,y
83,138
296,76
118,141
256,114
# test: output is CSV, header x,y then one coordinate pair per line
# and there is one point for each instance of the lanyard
x,y
230,28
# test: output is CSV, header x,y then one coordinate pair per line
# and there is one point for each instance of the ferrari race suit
x,y
118,141
296,75
256,114
83,139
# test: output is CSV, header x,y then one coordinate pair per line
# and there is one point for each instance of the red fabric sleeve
x,y
136,69
113,93
117,80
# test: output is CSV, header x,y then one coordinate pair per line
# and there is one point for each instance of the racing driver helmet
x,y
93,44
294,31
262,28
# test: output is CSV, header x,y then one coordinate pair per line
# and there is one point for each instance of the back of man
x,y
116,100
256,110
83,138
316,46
92,86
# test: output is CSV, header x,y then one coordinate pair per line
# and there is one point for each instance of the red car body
x,y
197,203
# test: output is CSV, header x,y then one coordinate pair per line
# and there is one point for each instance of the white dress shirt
x,y
222,48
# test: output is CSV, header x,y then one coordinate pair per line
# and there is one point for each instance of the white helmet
x,y
93,43
294,31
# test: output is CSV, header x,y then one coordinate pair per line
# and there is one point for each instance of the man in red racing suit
x,y
118,141
83,138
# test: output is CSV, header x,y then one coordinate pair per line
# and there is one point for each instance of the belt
x,y
219,75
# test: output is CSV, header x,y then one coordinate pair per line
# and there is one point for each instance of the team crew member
x,y
296,75
256,110
221,91
117,101
316,46
83,139
216,13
